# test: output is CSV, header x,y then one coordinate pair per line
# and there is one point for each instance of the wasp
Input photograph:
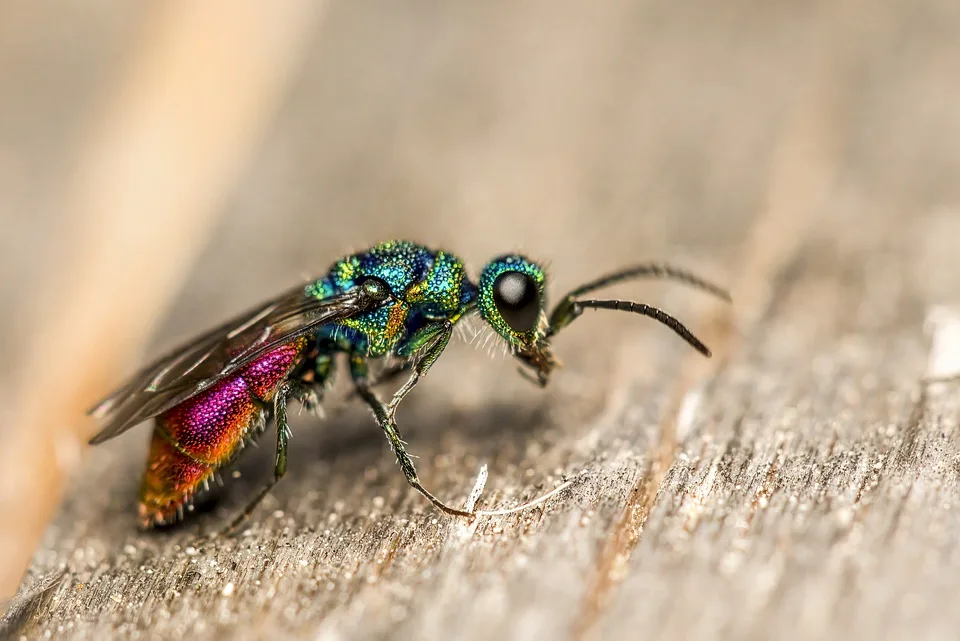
x,y
397,300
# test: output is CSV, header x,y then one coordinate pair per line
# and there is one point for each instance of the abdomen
x,y
193,440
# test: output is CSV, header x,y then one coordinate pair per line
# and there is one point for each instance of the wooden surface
x,y
800,485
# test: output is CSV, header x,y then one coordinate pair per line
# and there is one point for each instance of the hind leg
x,y
289,389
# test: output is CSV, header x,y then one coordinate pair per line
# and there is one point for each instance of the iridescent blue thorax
x,y
427,286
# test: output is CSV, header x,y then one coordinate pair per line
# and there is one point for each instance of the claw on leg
x,y
385,415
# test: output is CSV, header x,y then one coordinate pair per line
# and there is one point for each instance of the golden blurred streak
x,y
149,183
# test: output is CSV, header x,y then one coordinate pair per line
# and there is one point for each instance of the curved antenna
x,y
563,313
644,310
656,270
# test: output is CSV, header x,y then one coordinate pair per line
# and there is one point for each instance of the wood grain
x,y
803,484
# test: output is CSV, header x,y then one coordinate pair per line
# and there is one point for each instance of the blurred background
x,y
719,136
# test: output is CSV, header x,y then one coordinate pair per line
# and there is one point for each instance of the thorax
x,y
428,286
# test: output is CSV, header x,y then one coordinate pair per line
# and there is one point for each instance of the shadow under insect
x,y
336,454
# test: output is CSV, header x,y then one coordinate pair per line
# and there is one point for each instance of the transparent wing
x,y
199,364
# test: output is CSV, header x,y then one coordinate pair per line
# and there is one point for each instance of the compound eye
x,y
517,299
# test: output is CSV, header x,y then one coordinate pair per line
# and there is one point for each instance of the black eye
x,y
517,299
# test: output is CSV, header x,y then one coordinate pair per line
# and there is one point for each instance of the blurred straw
x,y
179,127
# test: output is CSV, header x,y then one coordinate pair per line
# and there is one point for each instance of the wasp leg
x,y
434,339
316,374
323,372
387,423
288,389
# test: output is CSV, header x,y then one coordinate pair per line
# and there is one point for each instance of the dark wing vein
x,y
209,358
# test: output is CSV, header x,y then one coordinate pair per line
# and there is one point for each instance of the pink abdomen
x,y
196,437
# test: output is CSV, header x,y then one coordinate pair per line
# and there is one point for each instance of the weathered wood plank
x,y
801,485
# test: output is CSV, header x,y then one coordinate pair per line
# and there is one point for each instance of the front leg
x,y
433,339
387,423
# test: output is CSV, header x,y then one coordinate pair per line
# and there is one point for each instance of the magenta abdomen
x,y
195,438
